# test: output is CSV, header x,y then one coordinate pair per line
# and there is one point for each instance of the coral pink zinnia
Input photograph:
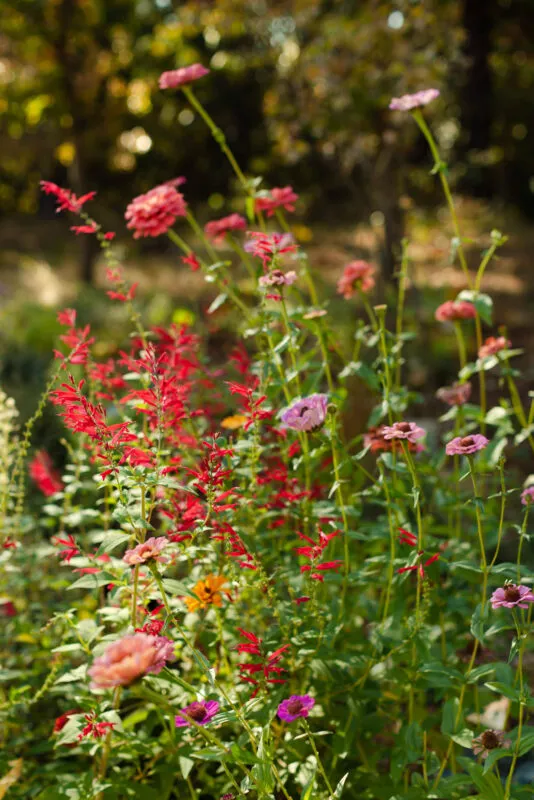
x,y
276,198
493,345
129,658
174,78
358,275
218,228
147,551
453,311
153,213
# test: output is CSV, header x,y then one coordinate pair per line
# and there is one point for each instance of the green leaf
x,y
482,302
78,674
504,689
448,718
339,788
112,541
91,581
186,765
307,791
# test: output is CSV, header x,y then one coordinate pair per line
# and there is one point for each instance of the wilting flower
x,y
306,414
493,345
455,395
207,593
464,446
512,596
455,310
404,430
174,78
409,101
153,213
283,197
489,740
218,228
358,275
129,658
278,278
294,707
147,551
527,495
200,712
43,474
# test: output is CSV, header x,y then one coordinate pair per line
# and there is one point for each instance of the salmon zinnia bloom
x,y
454,311
358,275
207,593
218,228
153,213
147,551
129,658
493,345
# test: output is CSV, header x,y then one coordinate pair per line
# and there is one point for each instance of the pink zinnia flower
x,y
356,275
493,345
409,101
527,495
218,228
403,430
278,278
455,395
175,78
153,213
453,311
512,596
43,474
200,712
129,658
307,414
147,551
277,198
464,446
269,245
489,740
298,705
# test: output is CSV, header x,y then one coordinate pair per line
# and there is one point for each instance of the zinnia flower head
x,y
207,593
200,712
455,395
283,197
129,658
174,78
527,495
295,706
489,740
493,345
307,414
455,310
147,551
356,275
153,213
465,445
218,228
403,430
410,101
278,278
512,596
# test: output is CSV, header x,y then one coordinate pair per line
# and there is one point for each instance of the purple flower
x,y
200,712
464,446
403,430
306,414
512,596
527,495
409,101
489,740
298,705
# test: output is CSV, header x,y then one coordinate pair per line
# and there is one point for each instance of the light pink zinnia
x,y
153,213
356,275
512,596
410,101
489,740
455,310
147,551
283,197
278,278
129,658
465,445
493,345
455,395
175,78
527,495
218,228
403,430
307,414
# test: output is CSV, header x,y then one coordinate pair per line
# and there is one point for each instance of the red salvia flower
x,y
43,474
66,200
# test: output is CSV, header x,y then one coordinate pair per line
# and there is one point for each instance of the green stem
x,y
318,759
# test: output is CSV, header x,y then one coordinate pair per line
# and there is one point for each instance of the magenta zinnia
x,y
512,596
200,712
298,705
174,78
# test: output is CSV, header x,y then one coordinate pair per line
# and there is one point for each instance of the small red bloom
x,y
192,261
44,475
95,729
66,200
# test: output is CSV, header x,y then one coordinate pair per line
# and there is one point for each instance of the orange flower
x,y
235,422
207,592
